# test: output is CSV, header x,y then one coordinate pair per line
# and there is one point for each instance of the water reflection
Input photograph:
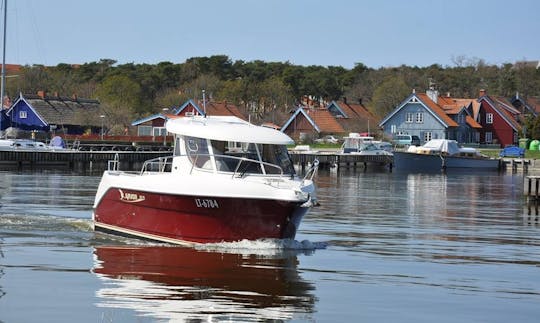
x,y
185,284
2,293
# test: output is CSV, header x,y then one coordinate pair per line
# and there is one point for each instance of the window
x,y
427,136
419,117
144,131
409,117
489,118
461,118
489,137
22,115
393,128
159,131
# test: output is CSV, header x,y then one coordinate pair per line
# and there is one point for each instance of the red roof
x,y
437,109
221,109
324,120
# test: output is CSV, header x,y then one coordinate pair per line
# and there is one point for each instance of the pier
x,y
339,160
75,159
133,160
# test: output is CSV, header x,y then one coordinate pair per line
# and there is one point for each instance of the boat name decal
x,y
207,203
131,197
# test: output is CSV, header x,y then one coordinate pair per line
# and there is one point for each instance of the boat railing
x,y
310,173
159,164
240,165
237,166
112,165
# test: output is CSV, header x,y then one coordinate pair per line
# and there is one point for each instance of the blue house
x,y
430,116
70,115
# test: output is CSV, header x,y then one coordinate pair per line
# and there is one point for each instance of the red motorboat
x,y
227,180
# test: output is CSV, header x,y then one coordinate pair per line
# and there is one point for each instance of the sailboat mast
x,y
3,85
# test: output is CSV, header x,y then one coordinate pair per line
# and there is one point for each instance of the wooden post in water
x,y
532,187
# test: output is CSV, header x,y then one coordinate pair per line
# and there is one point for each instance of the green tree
x,y
388,95
120,101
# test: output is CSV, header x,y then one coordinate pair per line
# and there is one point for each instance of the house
x,y
306,124
527,106
430,116
499,120
154,125
353,116
314,119
42,112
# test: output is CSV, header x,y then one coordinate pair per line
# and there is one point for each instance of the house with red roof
x,y
499,120
353,116
431,116
314,120
309,123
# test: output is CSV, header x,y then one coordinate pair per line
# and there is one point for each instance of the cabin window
x,y
409,117
197,151
419,117
22,115
489,118
276,155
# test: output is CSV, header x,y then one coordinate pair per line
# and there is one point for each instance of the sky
x,y
376,33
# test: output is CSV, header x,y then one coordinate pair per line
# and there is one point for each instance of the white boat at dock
x,y
354,143
443,154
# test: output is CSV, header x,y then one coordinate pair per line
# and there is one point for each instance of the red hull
x,y
198,219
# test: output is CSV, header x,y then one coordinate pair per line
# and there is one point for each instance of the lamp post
x,y
165,129
102,121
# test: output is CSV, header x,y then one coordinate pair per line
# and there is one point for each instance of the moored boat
x,y
22,145
355,143
442,154
227,180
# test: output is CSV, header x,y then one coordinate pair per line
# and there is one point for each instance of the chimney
x,y
345,99
447,94
360,101
482,93
432,93
41,94
74,97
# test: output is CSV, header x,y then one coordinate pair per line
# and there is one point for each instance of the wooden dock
x,y
335,159
74,159
133,160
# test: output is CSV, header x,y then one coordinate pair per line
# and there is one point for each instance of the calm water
x,y
382,247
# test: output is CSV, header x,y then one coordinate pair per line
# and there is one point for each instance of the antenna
x,y
204,102
2,89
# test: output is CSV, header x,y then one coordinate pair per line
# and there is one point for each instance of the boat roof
x,y
226,128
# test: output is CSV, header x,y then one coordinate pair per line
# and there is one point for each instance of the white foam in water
x,y
263,246
44,223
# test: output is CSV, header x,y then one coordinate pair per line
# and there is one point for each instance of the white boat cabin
x,y
229,146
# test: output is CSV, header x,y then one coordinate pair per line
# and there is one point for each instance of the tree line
x,y
265,90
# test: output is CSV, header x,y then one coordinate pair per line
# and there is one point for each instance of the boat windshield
x,y
246,158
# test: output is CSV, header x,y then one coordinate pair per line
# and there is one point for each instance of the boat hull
x,y
188,219
425,162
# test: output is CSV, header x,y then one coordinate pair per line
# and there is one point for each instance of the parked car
x,y
407,140
328,139
512,151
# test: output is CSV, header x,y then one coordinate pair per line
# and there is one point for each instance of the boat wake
x,y
46,223
264,246
23,222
